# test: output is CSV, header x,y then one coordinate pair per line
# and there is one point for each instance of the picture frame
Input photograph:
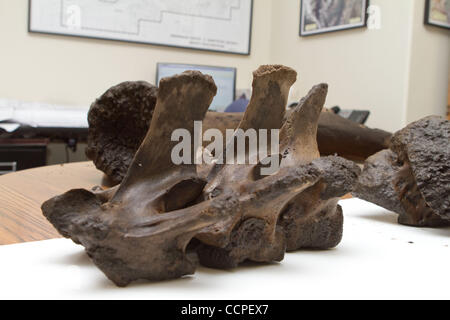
x,y
437,13
238,39
322,16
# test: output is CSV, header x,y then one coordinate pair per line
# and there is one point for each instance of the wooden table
x,y
23,192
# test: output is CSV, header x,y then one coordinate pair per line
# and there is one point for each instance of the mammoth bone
x,y
163,219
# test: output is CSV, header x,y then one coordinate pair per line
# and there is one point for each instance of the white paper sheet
x,y
43,115
377,258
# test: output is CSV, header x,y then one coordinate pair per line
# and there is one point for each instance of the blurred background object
x,y
398,72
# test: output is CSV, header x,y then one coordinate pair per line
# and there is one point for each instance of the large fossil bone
x,y
118,122
161,218
412,178
120,118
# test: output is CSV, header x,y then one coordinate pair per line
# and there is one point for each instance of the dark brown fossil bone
x,y
313,219
161,218
412,178
310,219
349,139
120,118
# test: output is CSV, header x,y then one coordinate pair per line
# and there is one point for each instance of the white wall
x,y
74,71
399,72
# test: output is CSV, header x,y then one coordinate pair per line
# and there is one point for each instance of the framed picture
x,y
320,16
437,13
222,26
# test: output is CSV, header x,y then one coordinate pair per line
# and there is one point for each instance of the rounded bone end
x,y
276,72
188,77
321,87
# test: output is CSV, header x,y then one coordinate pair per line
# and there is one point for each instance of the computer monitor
x,y
225,79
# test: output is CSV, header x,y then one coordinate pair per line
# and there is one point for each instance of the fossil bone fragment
x,y
348,139
164,218
120,118
412,178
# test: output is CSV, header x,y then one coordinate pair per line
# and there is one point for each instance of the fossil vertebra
x,y
120,118
165,218
412,178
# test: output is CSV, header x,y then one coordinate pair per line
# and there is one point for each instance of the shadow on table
x,y
391,218
385,217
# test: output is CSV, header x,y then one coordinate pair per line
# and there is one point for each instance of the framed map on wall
x,y
437,13
212,25
320,16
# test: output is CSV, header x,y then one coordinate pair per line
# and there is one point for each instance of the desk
x,y
23,192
